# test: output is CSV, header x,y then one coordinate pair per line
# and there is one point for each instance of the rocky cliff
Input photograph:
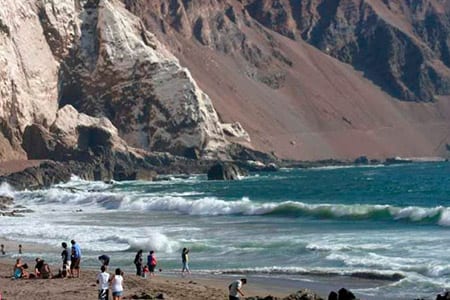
x,y
68,65
309,103
402,46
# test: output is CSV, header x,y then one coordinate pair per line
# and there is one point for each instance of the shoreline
x,y
174,286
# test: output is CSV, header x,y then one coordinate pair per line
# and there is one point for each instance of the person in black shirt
x,y
66,260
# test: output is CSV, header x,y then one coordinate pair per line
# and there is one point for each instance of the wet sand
x,y
171,284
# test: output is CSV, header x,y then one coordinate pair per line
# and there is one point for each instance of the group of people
x,y
104,279
70,268
148,269
41,270
71,260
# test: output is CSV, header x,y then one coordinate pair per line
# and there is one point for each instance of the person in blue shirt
x,y
76,259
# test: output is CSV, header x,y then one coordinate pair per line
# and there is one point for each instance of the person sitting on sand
x,y
42,269
235,289
103,282
19,269
117,285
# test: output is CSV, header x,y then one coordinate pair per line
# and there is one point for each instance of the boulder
x,y
225,171
303,294
344,294
44,174
445,296
362,160
333,296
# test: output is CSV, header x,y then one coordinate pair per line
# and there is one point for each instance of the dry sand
x,y
194,287
85,287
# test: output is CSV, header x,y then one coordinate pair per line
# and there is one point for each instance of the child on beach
x,y
145,271
103,284
185,261
117,285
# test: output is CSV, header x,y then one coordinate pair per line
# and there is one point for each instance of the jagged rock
x,y
225,171
303,294
44,174
445,296
131,78
344,294
333,296
412,65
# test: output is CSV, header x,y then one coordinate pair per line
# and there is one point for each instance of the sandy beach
x,y
189,287
172,286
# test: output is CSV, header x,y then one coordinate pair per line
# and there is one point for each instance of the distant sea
x,y
378,221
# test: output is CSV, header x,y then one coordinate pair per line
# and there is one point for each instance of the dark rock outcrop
x,y
225,171
42,175
344,294
333,296
303,294
362,160
445,296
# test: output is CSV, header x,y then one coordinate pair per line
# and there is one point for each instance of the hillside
x,y
301,79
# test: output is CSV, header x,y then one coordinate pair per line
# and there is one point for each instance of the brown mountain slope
x,y
290,97
402,46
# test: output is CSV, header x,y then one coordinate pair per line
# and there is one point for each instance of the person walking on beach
x,y
76,259
235,289
138,262
185,261
152,262
2,249
65,260
20,248
103,284
104,259
117,285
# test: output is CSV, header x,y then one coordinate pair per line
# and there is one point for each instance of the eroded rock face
x,y
117,69
99,58
219,25
402,46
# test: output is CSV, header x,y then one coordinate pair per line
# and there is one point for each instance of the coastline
x,y
173,286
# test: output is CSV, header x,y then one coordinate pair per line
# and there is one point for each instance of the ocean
x,y
388,222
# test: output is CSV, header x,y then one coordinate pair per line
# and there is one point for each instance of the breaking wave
x,y
183,203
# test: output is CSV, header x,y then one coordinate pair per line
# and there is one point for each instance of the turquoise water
x,y
391,221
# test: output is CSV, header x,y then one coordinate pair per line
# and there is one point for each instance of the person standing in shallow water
x,y
185,261
138,262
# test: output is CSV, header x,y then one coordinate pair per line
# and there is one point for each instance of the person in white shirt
x,y
235,289
103,284
117,285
